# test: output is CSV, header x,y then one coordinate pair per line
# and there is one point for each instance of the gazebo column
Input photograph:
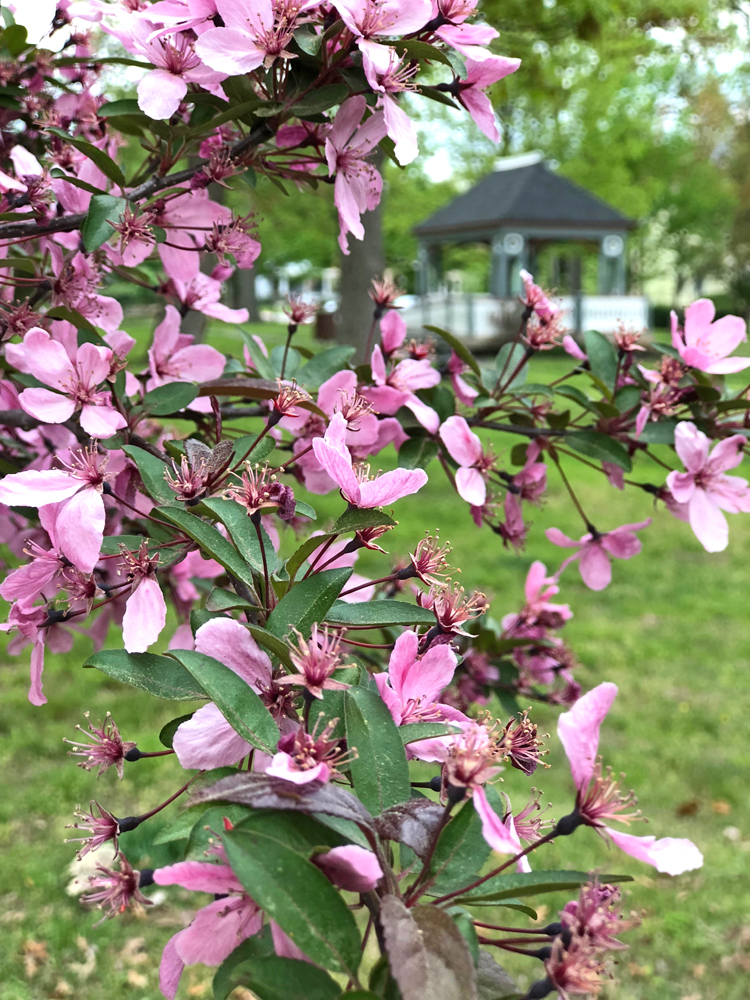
x,y
612,275
430,257
499,284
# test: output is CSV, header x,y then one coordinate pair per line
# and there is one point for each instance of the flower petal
x,y
672,855
578,730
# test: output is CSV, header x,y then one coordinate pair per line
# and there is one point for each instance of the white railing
x,y
483,317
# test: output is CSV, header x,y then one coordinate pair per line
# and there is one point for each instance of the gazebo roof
x,y
529,196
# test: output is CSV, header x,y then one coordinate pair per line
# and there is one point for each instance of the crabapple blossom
x,y
599,798
705,489
705,343
357,487
595,550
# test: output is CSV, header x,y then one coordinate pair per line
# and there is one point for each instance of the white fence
x,y
478,318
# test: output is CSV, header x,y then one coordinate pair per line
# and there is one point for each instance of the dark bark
x,y
242,287
364,262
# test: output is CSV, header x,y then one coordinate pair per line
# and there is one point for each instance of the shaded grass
x,y
670,631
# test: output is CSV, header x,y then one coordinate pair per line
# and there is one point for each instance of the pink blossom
x,y
471,92
538,300
705,344
598,795
207,740
383,18
174,358
162,89
392,332
499,833
29,581
75,379
474,463
357,487
464,392
572,348
145,610
249,38
411,688
387,75
595,550
358,184
304,757
351,868
538,589
396,389
78,493
202,292
216,930
29,622
705,488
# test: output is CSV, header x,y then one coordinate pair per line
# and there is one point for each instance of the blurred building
x,y
528,217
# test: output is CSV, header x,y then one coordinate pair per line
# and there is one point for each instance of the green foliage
x,y
238,703
298,896
380,772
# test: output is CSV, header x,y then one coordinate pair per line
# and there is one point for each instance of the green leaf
x,y
236,700
114,108
602,357
160,676
307,602
152,471
303,553
59,174
231,114
355,519
104,162
380,773
258,946
261,362
72,316
211,541
298,896
322,366
167,399
242,531
535,884
601,447
627,398
244,451
225,600
457,345
181,825
321,100
166,735
417,452
305,510
460,852
424,731
14,39
574,393
97,228
380,614
513,354
659,433
274,978
307,39
272,643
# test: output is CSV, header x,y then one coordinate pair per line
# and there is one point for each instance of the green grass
x,y
670,631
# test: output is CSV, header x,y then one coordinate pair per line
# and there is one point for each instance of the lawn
x,y
670,631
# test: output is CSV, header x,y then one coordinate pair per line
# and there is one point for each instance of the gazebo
x,y
518,209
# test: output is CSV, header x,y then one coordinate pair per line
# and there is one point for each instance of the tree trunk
x,y
243,293
364,262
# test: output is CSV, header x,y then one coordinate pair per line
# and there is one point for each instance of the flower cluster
x,y
325,694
